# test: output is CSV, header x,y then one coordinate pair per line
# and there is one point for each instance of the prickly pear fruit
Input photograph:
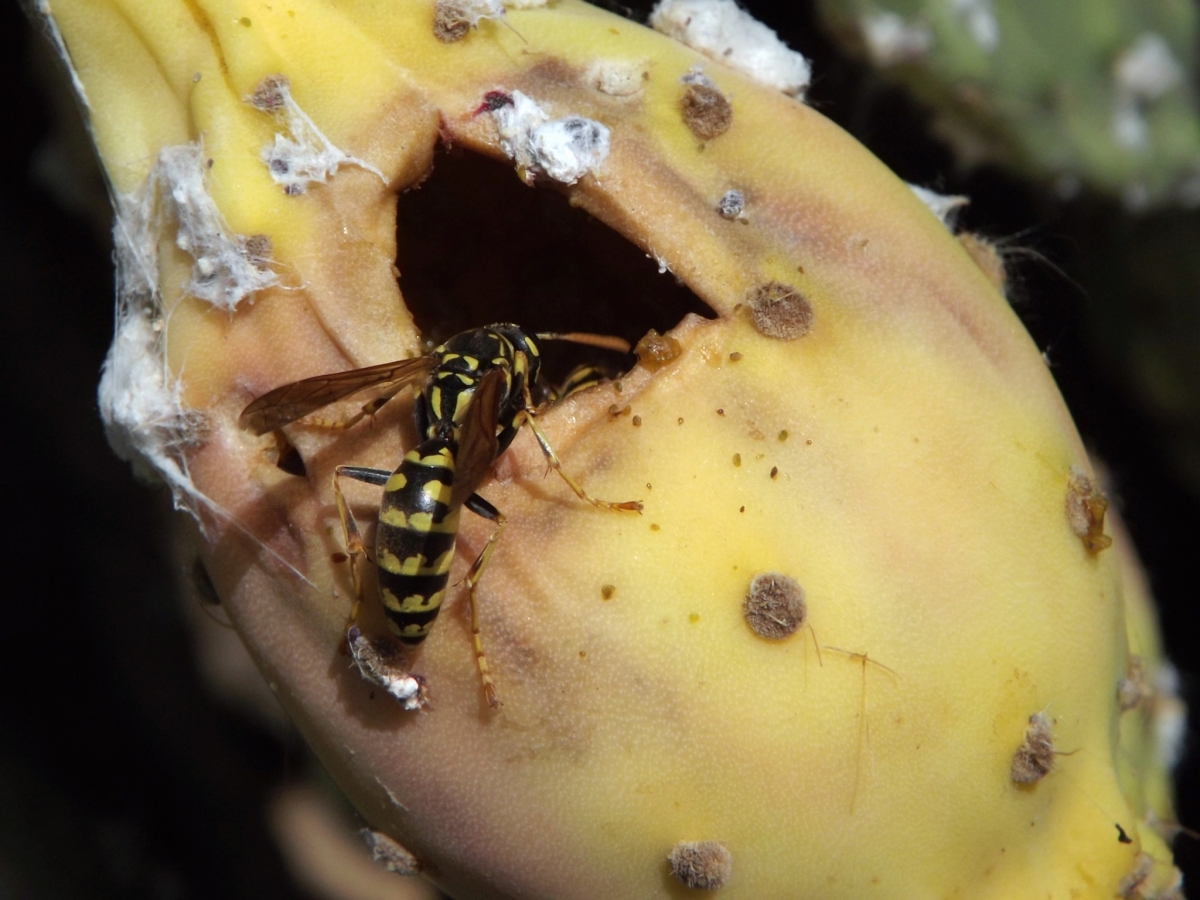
x,y
868,635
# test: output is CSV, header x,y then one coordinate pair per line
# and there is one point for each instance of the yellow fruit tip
x,y
1034,759
780,311
703,865
774,607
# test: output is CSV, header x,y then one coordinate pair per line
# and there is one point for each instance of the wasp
x,y
473,396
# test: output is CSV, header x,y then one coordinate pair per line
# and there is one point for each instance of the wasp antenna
x,y
603,341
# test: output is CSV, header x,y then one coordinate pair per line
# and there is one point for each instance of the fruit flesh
x,y
918,500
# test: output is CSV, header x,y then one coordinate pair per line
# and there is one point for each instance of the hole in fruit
x,y
477,246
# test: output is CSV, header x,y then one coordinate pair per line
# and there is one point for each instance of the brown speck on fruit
x,y
389,854
720,412
1133,689
287,457
703,865
780,311
774,471
637,421
450,21
783,435
268,95
706,111
656,350
774,607
737,459
741,509
1034,759
607,591
1086,506
654,526
734,356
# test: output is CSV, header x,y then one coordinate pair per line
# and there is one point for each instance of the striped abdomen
x,y
414,543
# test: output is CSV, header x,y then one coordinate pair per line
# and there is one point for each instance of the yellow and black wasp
x,y
475,394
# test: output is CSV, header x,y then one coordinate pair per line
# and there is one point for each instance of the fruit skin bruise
x,y
920,498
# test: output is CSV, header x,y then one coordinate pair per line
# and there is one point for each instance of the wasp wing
x,y
300,398
477,444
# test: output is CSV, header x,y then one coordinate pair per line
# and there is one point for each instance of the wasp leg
x,y
481,507
530,416
355,548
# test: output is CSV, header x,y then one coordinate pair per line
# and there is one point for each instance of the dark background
x,y
119,776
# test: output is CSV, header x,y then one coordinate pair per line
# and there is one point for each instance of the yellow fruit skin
x,y
918,498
